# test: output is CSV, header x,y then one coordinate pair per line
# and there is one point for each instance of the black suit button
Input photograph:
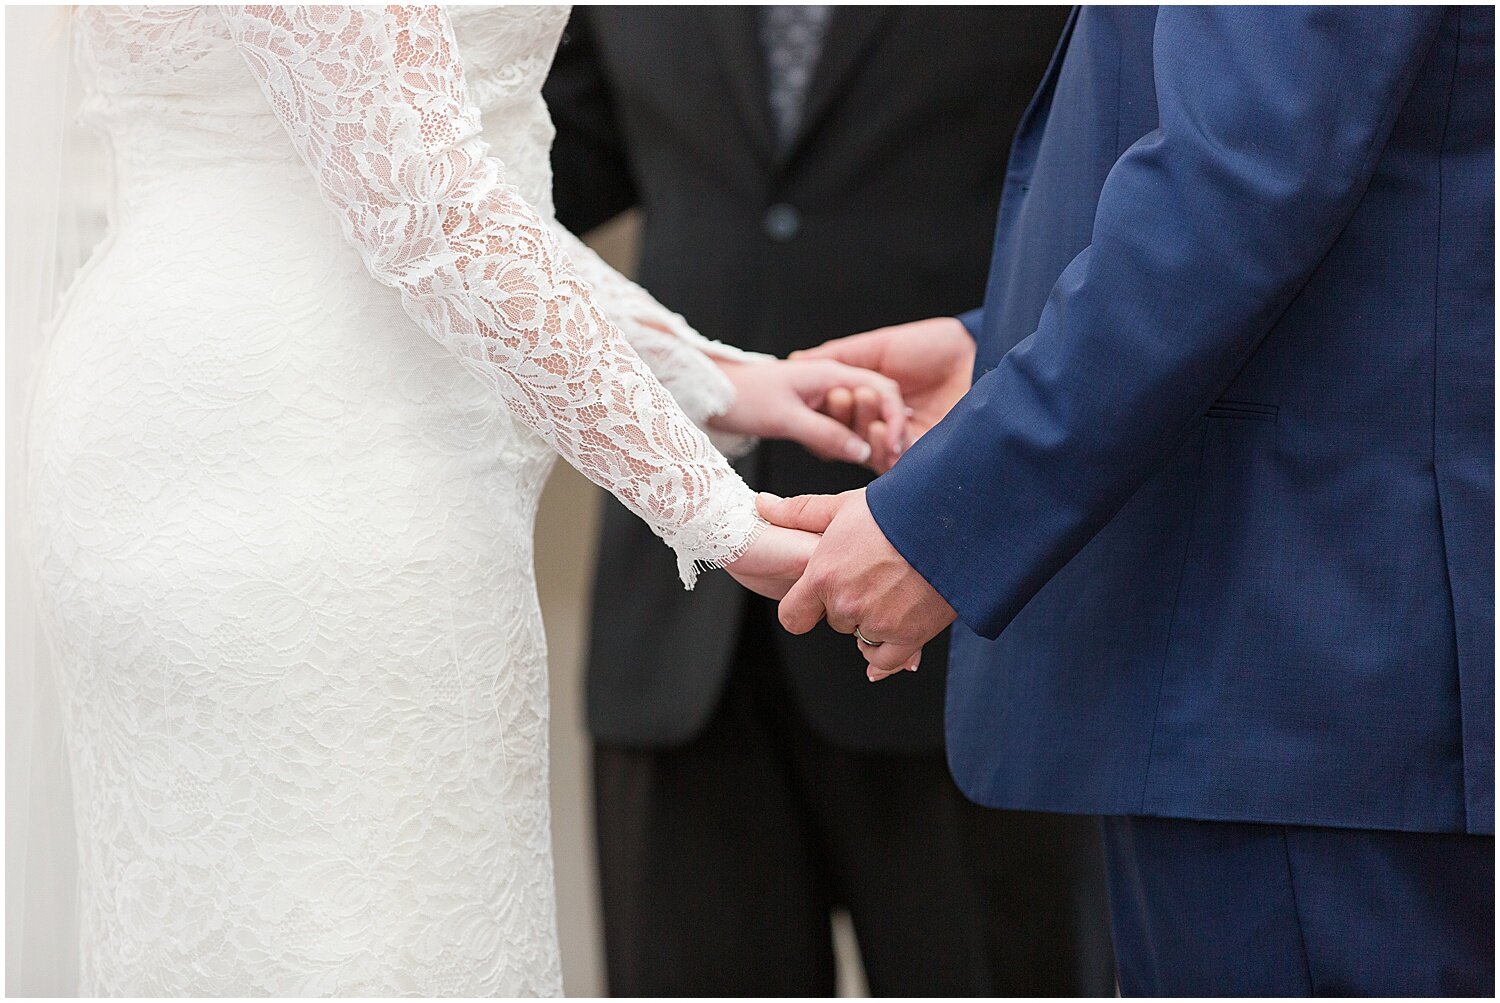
x,y
782,222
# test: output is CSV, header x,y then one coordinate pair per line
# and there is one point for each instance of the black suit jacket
x,y
880,211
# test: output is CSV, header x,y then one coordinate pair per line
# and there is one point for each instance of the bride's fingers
x,y
886,401
840,406
881,458
892,410
824,436
866,410
875,674
889,657
894,414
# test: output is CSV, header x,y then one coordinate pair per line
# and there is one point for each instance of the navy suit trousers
x,y
1238,909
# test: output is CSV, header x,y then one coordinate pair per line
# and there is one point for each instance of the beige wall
x,y
567,527
565,535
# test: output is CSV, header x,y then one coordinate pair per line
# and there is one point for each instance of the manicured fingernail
x,y
858,450
770,497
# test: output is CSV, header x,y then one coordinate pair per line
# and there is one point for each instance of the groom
x,y
1216,515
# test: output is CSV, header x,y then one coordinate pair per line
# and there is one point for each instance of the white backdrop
x,y
40,942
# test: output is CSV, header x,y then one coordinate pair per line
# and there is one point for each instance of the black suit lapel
x,y
738,34
851,32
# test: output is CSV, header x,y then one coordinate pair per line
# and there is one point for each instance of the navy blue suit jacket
x,y
1218,512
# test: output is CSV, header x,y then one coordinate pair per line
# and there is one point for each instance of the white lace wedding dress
x,y
284,537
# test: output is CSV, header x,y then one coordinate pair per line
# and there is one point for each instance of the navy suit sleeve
x,y
1271,121
972,322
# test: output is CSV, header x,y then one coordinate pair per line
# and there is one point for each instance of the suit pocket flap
x,y
1243,410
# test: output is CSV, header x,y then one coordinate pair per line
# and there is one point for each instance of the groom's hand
x,y
856,579
931,360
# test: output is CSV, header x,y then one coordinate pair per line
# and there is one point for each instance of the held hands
x,y
932,361
824,556
861,399
858,582
850,575
775,561
786,399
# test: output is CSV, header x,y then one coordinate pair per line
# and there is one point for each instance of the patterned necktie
x,y
792,37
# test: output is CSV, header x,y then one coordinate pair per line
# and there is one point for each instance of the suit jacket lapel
x,y
851,32
1042,96
738,35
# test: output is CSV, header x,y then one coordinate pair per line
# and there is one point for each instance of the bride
x,y
283,540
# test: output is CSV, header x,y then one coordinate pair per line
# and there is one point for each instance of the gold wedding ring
x,y
866,640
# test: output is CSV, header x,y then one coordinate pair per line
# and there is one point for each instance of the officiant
x,y
802,172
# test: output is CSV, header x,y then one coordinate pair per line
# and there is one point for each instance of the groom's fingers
x,y
855,350
811,513
802,608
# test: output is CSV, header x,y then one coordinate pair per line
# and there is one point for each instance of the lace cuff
x,y
717,538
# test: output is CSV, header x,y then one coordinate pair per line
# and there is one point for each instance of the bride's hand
x,y
783,399
774,561
876,675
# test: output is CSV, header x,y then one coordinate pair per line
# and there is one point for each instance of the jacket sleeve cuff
x,y
972,322
930,518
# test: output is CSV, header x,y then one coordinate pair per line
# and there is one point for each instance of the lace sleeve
x,y
374,100
680,357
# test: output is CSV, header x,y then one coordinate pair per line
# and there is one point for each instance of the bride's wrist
x,y
733,417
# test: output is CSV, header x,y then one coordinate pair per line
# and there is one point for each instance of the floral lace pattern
x,y
375,103
678,355
283,540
